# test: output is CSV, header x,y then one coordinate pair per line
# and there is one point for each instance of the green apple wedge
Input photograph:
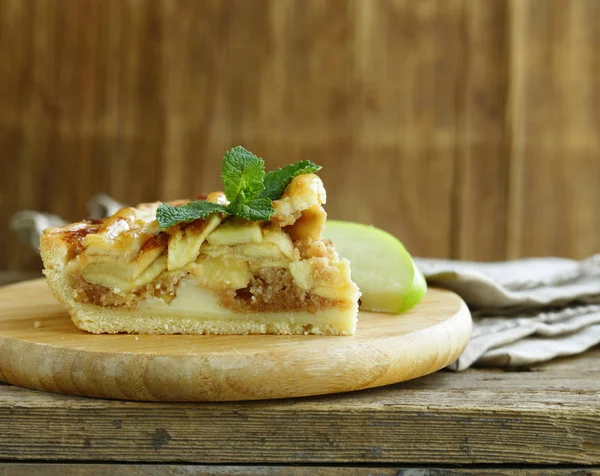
x,y
381,267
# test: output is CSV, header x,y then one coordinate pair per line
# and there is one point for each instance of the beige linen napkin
x,y
525,311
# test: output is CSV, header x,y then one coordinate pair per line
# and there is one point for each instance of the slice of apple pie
x,y
251,260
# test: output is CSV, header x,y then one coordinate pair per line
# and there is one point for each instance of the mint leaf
x,y
242,175
248,189
276,181
168,215
256,209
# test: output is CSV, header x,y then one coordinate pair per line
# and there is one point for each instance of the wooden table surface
x,y
474,422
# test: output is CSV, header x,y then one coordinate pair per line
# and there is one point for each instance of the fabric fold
x,y
524,311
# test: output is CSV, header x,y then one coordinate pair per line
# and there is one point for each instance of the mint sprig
x,y
249,191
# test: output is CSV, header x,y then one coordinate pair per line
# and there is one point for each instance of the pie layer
x,y
222,275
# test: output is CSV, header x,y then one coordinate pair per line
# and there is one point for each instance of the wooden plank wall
x,y
469,128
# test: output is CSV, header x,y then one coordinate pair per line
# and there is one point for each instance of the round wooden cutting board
x,y
41,348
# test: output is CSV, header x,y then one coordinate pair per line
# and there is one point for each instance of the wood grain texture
x,y
556,119
41,348
482,180
549,415
404,133
466,128
86,469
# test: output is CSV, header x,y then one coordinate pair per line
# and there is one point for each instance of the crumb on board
x,y
37,324
137,338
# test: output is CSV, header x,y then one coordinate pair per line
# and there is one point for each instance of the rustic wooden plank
x,y
87,469
216,57
414,108
549,415
146,98
19,114
407,77
555,79
481,178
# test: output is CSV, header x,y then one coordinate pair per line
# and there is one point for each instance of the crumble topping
x,y
269,290
164,287
310,248
273,289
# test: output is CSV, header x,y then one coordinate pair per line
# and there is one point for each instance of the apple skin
x,y
381,266
417,291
